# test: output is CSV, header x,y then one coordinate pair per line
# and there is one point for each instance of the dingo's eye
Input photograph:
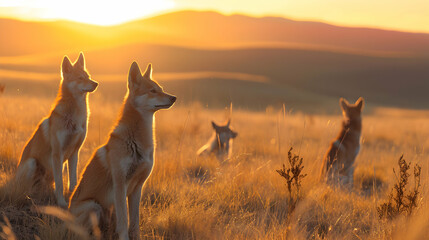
x,y
153,90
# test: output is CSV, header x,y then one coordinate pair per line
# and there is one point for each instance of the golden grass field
x,y
242,198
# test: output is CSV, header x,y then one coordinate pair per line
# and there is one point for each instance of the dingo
x,y
338,161
59,136
118,169
221,141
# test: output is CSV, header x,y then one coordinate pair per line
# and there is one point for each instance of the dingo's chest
x,y
75,124
139,170
141,162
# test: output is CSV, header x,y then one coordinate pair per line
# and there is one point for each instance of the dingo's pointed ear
x,y
229,122
80,61
133,75
148,73
360,103
66,66
344,104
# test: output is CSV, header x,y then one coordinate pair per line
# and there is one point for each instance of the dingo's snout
x,y
93,85
173,99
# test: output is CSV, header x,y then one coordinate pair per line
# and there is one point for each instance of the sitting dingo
x,y
117,170
221,141
60,136
338,162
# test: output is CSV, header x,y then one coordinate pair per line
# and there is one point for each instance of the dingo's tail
x,y
16,189
25,172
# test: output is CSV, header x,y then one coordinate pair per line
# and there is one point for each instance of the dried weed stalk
x,y
293,176
401,202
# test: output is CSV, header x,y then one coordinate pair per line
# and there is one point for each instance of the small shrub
x,y
399,201
293,176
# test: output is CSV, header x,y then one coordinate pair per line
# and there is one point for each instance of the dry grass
x,y
243,198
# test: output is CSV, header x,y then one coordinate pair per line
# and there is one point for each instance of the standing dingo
x,y
338,162
117,170
59,136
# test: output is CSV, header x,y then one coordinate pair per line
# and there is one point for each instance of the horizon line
x,y
256,16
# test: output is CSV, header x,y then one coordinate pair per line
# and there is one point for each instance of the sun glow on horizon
x,y
84,11
410,16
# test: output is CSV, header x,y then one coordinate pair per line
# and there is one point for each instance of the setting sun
x,y
92,12
404,16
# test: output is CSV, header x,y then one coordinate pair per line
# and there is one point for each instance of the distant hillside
x,y
211,27
215,59
304,79
205,30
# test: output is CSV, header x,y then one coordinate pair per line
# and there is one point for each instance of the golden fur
x,y
118,169
338,162
59,136
220,143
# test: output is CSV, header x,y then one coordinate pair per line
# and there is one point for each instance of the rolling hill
x,y
214,59
205,30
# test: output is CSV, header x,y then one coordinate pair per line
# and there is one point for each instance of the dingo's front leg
x,y
57,141
133,207
350,176
120,196
57,168
72,163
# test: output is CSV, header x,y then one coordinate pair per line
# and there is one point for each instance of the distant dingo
x,y
117,170
338,162
221,141
59,136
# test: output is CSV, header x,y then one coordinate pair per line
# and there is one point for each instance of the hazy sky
x,y
409,15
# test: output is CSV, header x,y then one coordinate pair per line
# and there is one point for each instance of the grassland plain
x,y
241,198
